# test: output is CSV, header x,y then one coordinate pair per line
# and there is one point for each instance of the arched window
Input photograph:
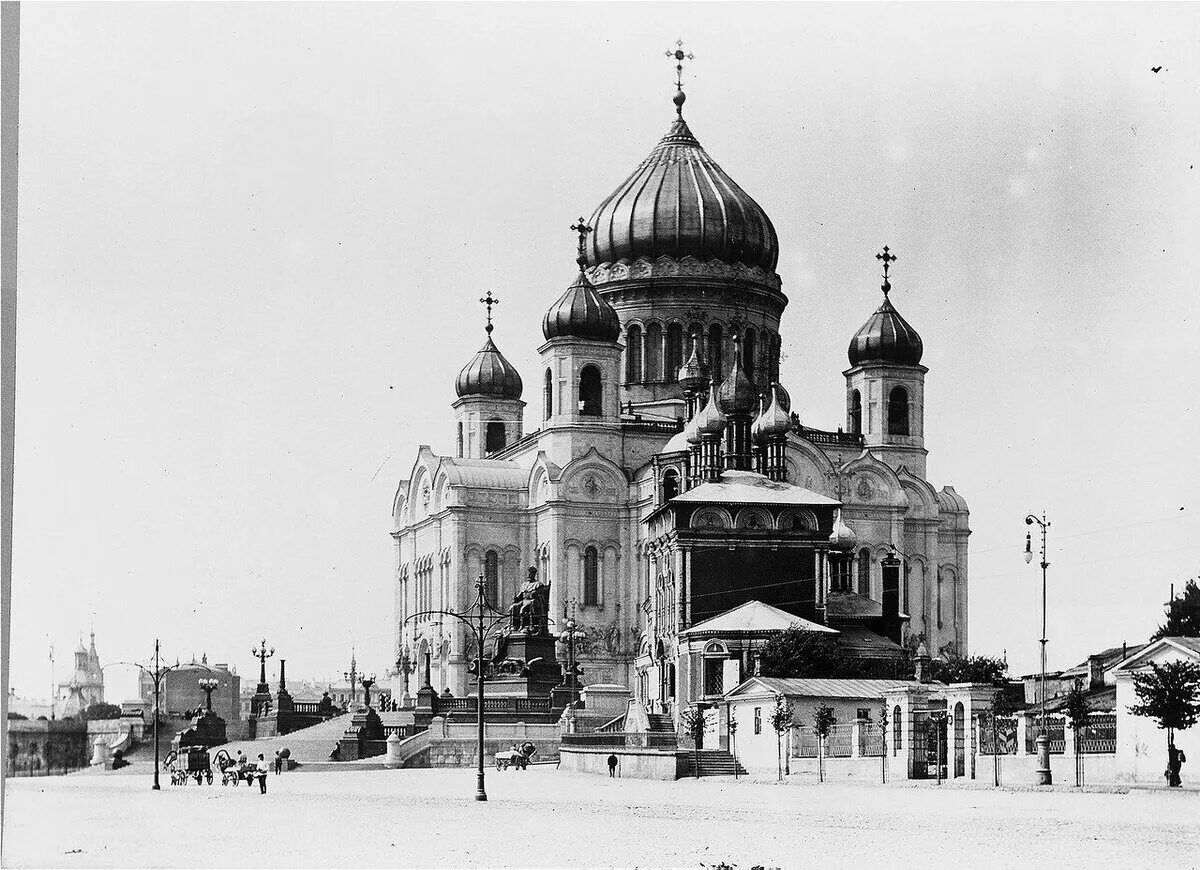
x,y
670,484
776,349
897,728
653,354
864,572
856,412
590,400
460,439
495,436
716,341
749,352
491,577
633,354
674,352
548,396
591,576
898,411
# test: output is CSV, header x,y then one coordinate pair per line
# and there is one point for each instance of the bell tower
x,y
488,412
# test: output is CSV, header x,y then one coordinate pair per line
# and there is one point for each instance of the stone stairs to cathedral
x,y
713,762
660,724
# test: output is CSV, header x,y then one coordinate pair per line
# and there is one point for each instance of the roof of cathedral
x,y
886,337
489,374
809,687
755,616
679,203
581,313
749,487
485,473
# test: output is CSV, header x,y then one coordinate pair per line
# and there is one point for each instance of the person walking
x,y
263,769
278,763
612,766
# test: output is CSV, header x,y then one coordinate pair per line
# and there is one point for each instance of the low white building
x,y
1141,744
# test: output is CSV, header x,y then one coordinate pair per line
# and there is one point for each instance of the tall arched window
x,y
898,411
491,577
897,728
653,354
864,572
633,354
716,341
776,352
590,390
495,436
591,576
674,352
548,396
856,412
670,484
749,352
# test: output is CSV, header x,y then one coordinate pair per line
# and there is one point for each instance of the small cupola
x,y
886,337
580,312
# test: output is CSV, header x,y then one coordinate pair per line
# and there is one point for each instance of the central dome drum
x,y
679,203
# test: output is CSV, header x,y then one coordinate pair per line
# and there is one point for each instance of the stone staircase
x,y
713,762
660,724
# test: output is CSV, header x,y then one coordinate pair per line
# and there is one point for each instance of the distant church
x,y
85,686
669,494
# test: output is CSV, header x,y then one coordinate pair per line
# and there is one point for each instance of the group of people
x,y
263,767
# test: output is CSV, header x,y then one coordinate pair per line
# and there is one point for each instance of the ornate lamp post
x,y
1043,739
208,685
404,667
569,636
367,682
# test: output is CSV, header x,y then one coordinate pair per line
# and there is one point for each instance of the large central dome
x,y
680,203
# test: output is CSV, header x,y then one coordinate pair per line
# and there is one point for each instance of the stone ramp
x,y
308,745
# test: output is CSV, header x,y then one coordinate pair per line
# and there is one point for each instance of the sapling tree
x,y
1169,693
781,720
1077,710
823,720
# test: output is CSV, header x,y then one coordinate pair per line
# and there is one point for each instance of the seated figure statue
x,y
530,607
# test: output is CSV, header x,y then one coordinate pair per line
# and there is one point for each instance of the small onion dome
x,y
489,374
842,537
737,394
710,420
692,376
886,337
581,313
771,422
782,397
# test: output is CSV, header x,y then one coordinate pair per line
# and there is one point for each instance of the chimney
x,y
921,672
1095,672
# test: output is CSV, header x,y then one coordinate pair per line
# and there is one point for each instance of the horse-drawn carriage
x,y
517,757
189,762
233,772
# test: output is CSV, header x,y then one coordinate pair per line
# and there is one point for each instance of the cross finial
x,y
679,56
489,300
582,229
888,258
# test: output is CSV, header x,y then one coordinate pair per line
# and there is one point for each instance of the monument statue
x,y
530,608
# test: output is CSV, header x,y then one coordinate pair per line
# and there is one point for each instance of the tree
x,y
693,723
883,727
101,710
797,653
970,669
823,720
781,720
1077,710
1169,693
1183,614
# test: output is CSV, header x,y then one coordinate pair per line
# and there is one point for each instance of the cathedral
x,y
664,487
86,684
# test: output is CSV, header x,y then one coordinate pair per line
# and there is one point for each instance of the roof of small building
x,y
863,643
754,616
748,487
851,605
805,687
1188,645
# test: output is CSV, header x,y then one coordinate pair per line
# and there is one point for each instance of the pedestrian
x,y
612,766
278,763
241,759
263,769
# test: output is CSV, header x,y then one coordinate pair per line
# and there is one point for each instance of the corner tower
x,y
489,408
885,384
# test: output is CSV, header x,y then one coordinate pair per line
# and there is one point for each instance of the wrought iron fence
x,y
1055,730
839,743
1004,735
1099,735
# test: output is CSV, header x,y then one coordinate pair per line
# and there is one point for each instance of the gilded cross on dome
x,y
489,300
888,258
582,229
679,56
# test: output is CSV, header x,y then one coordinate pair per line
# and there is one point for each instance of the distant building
x,y
30,708
85,685
181,692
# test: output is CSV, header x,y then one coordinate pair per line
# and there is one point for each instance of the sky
x,y
253,237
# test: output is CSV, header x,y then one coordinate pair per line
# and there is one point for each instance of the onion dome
x,y
710,420
679,203
580,312
772,421
737,394
489,374
886,337
692,376
782,397
842,537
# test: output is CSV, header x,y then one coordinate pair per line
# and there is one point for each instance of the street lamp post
x,y
570,636
208,685
367,682
1045,777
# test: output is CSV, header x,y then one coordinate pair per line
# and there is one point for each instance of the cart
x,y
516,757
231,772
189,763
